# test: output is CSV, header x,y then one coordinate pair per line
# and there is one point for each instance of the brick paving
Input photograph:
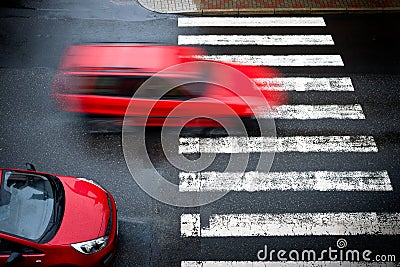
x,y
237,7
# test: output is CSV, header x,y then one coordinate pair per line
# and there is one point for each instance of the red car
x,y
49,220
99,81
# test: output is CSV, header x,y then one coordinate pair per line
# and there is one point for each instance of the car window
x,y
156,87
186,91
127,86
26,204
77,84
117,85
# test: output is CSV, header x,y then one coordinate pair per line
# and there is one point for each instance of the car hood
x,y
86,212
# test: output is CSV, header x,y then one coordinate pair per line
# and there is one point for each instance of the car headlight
x,y
91,246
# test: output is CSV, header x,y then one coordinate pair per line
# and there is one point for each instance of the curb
x,y
283,11
265,11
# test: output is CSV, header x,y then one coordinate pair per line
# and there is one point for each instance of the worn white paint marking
x,y
292,224
277,60
251,22
287,264
314,112
255,40
238,144
190,225
284,181
305,84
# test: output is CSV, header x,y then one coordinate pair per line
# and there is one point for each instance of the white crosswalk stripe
x,y
292,224
304,144
278,60
314,112
305,84
286,264
251,22
282,181
255,40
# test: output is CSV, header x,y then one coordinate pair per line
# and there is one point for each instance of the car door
x,y
18,252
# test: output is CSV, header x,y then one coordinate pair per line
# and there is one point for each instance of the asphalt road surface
x,y
335,174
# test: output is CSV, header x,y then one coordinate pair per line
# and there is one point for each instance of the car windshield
x,y
26,204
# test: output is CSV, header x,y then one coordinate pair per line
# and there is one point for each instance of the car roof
x,y
125,57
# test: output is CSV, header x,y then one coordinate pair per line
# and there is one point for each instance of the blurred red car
x,y
99,81
48,220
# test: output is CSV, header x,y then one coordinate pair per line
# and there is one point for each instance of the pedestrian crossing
x,y
221,225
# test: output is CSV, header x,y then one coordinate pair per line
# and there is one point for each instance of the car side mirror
x,y
30,167
14,258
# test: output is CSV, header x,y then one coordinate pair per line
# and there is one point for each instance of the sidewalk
x,y
253,7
